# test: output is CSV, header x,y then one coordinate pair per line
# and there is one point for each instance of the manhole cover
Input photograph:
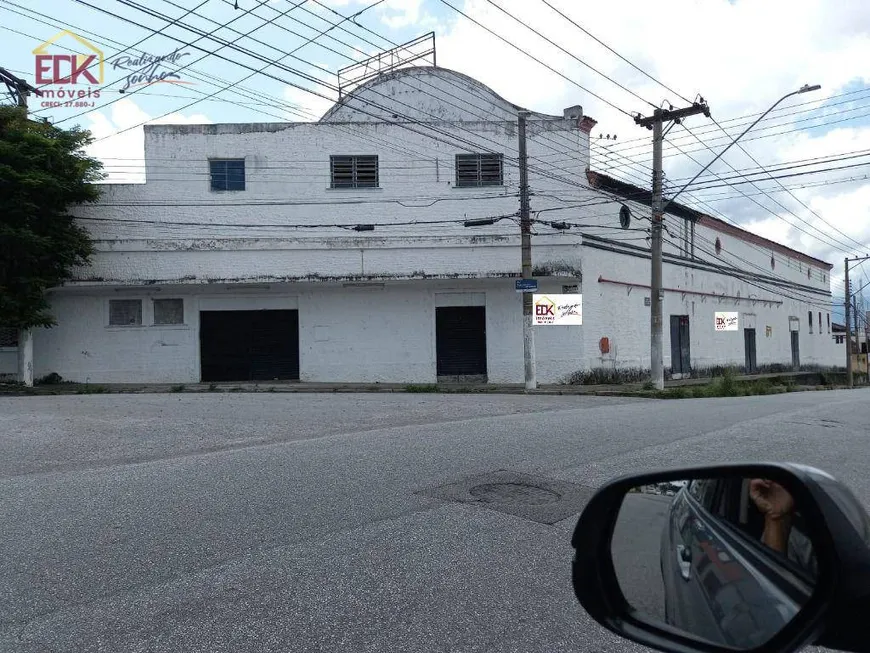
x,y
530,495
540,499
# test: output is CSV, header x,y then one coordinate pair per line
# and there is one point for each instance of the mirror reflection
x,y
727,560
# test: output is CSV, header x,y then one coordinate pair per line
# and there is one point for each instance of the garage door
x,y
460,340
249,345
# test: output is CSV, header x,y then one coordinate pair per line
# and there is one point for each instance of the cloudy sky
x,y
740,55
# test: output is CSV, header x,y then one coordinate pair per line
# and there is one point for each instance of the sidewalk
x,y
627,389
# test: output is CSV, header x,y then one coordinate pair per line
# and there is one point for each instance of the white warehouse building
x,y
381,244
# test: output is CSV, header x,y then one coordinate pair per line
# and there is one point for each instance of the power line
x,y
776,114
79,30
547,66
570,54
722,216
779,183
484,115
731,271
791,165
432,201
193,43
282,105
728,181
599,41
314,92
142,40
467,145
260,225
759,136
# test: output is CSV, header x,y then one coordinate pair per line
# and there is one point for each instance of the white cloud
x,y
123,154
312,106
397,14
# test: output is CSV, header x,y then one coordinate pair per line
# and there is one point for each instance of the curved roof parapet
x,y
424,93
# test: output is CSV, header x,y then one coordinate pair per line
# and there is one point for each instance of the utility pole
x,y
17,87
656,123
657,371
847,304
20,90
526,245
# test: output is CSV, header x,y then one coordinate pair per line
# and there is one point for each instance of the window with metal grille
x,y
227,174
125,312
168,311
357,171
8,336
479,170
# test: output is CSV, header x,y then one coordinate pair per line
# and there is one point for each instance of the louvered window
x,y
479,170
358,171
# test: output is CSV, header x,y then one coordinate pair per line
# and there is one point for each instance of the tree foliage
x,y
43,172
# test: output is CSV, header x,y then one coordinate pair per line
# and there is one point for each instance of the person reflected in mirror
x,y
777,506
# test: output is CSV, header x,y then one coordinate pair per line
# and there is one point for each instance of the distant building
x,y
381,244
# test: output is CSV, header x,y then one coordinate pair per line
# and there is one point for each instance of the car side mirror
x,y
755,557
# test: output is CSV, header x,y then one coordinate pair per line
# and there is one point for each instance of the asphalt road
x,y
272,522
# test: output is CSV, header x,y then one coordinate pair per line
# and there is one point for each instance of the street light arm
x,y
803,89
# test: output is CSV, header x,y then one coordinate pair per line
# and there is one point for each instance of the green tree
x,y
43,171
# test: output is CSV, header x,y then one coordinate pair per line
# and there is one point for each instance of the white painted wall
x,y
174,228
346,334
82,347
628,326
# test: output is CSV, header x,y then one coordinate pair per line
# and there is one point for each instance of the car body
x,y
720,581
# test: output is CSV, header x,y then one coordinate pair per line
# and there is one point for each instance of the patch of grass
x,y
236,389
724,386
92,390
608,376
713,371
177,388
649,385
727,386
212,387
49,379
430,387
271,389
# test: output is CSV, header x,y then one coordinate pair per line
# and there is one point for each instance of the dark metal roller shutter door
x,y
249,345
460,340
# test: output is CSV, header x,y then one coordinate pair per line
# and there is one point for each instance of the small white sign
x,y
726,321
558,310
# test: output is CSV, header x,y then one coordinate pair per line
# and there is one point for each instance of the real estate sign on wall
x,y
726,321
558,310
